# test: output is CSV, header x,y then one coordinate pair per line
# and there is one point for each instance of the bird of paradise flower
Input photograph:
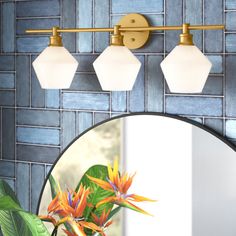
x,y
120,184
70,206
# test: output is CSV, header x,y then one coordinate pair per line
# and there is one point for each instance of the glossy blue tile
x,y
91,101
40,153
230,42
69,21
38,117
217,64
8,27
23,80
231,21
7,98
230,4
37,135
7,169
48,168
100,117
7,63
23,24
136,98
85,62
68,128
153,19
23,184
84,13
194,106
11,183
37,93
8,133
7,80
84,120
154,45
155,84
213,14
38,8
230,127
119,101
52,98
31,44
230,88
144,6
1,133
37,180
215,124
193,15
172,37
102,19
85,82
213,86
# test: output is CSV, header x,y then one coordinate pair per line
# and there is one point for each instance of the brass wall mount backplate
x,y
134,40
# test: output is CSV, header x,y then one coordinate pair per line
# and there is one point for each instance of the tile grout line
x,y
164,82
225,73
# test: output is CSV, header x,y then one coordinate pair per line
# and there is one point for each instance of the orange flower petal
x,y
48,218
106,200
103,184
125,203
138,198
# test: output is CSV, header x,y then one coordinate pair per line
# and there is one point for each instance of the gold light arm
x,y
134,28
126,29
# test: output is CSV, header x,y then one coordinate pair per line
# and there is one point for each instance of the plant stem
x,y
54,232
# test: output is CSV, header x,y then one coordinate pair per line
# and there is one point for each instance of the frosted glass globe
x,y
186,69
55,68
117,68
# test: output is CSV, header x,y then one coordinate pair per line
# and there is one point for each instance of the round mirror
x,y
188,171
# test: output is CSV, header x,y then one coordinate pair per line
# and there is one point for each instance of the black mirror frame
x,y
184,119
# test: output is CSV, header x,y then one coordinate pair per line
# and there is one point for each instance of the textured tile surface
x,y
36,124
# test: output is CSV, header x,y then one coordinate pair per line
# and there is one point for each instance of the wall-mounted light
x,y
186,69
55,67
117,67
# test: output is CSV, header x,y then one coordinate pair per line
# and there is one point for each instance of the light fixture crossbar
x,y
125,29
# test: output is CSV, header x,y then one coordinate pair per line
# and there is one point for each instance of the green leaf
x,y
98,194
14,221
54,186
5,190
113,212
7,204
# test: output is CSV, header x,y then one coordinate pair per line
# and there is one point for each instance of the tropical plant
x,y
14,221
88,210
85,211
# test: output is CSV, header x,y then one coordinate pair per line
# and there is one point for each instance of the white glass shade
x,y
55,68
117,68
186,69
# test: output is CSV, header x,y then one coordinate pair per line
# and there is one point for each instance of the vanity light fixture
x,y
117,67
55,67
185,68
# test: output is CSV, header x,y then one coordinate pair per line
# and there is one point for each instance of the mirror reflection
x,y
189,172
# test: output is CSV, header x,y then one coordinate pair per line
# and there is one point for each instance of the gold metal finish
x,y
126,29
186,38
55,39
134,39
134,27
116,37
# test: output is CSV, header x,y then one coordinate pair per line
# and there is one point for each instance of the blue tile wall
x,y
36,125
213,8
